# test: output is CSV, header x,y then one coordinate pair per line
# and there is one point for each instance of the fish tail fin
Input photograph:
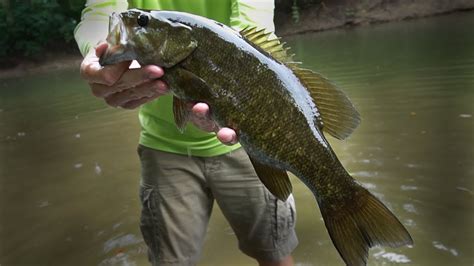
x,y
362,222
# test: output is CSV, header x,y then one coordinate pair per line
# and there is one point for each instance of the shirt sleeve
x,y
252,13
93,26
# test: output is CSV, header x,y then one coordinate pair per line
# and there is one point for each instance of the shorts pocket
x,y
149,219
286,218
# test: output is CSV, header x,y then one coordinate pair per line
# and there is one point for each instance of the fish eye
x,y
142,20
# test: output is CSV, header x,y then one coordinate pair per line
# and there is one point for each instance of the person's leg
x,y
286,261
176,206
263,224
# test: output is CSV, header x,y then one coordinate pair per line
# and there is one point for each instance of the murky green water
x,y
69,172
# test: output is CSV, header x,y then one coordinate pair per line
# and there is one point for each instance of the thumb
x,y
110,74
100,49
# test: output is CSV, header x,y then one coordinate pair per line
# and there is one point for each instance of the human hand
x,y
128,88
202,120
119,85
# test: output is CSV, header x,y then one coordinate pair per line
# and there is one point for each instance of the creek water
x,y
69,171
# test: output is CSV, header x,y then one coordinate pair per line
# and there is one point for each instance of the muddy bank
x,y
330,14
50,62
314,15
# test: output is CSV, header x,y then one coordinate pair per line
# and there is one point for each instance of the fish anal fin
x,y
338,114
181,113
275,180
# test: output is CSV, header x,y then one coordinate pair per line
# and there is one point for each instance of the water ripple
x,y
440,246
392,257
408,188
121,241
119,259
410,208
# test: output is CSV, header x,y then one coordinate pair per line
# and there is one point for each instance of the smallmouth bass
x,y
277,109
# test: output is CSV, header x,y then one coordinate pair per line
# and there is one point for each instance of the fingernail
x,y
154,72
201,109
200,114
233,139
161,87
227,137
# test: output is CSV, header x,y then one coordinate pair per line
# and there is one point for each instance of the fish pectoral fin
x,y
184,83
181,113
275,180
339,117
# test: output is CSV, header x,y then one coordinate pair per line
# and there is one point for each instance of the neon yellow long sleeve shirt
x,y
156,117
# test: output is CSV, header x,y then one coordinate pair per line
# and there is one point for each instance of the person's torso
x,y
158,128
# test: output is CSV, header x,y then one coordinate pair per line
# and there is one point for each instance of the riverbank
x,y
332,14
324,15
48,62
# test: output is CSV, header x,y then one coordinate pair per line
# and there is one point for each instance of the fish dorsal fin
x,y
275,180
273,46
338,115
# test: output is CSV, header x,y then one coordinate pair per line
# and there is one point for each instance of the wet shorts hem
x,y
284,250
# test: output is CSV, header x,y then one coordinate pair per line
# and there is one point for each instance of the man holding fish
x,y
183,173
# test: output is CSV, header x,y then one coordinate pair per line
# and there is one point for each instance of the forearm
x,y
93,26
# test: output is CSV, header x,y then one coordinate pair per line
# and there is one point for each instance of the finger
x,y
146,90
201,117
135,103
100,49
135,77
204,124
93,72
201,110
227,136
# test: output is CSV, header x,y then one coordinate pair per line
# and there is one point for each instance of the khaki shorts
x,y
177,194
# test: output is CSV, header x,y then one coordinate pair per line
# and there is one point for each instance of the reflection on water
x,y
69,172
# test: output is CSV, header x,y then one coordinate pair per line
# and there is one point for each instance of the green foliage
x,y
294,7
27,27
295,12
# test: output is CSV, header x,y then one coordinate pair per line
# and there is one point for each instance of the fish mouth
x,y
116,54
118,50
